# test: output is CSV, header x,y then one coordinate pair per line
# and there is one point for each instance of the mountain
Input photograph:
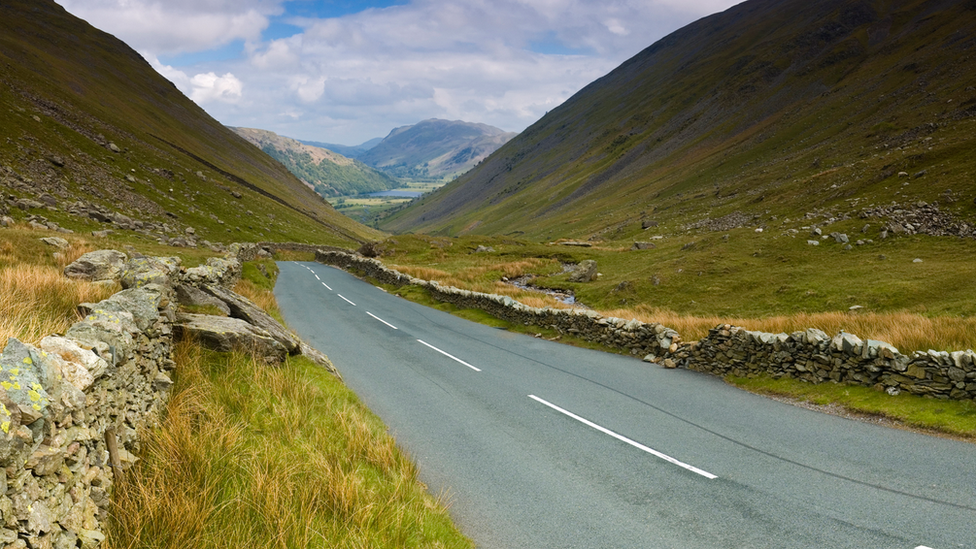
x,y
100,140
349,151
774,108
330,174
435,148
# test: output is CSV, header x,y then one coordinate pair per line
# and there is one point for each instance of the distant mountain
x,y
330,174
773,109
354,151
93,138
435,148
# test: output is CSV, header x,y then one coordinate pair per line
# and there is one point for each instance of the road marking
x,y
633,443
346,300
327,286
923,547
449,355
381,320
317,277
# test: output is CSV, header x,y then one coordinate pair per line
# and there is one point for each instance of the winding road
x,y
543,445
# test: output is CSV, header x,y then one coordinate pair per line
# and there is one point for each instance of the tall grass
x,y
36,301
251,456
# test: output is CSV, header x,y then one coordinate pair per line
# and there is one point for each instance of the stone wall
x,y
72,408
810,355
65,403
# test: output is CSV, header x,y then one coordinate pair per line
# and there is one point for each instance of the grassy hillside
x,y
89,127
772,110
329,173
435,148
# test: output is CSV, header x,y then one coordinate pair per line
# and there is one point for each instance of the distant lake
x,y
397,194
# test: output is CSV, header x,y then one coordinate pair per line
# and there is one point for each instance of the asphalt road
x,y
543,445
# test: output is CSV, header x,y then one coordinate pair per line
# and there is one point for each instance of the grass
x,y
251,456
762,282
954,417
286,457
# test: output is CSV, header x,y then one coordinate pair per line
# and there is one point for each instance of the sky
x,y
346,71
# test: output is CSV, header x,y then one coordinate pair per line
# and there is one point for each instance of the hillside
x,y
785,112
329,173
349,151
435,148
93,138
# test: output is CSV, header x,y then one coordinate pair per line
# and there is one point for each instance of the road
x,y
543,445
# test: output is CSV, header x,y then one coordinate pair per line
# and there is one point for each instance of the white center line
x,y
346,300
327,286
381,320
449,355
633,443
923,547
317,277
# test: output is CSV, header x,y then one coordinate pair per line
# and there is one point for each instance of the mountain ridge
x,y
738,104
325,171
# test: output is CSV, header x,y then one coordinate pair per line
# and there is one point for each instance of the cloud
x,y
177,26
347,79
203,88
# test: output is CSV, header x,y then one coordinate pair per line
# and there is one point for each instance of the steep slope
x,y
102,141
435,148
772,108
330,174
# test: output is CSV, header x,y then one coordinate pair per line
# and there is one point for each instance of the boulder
x,y
143,271
221,271
585,272
190,295
318,358
643,246
100,265
57,242
242,308
226,334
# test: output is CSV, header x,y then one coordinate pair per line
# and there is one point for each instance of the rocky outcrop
x,y
242,308
227,334
586,271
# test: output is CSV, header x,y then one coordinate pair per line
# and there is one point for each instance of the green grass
x,y
953,417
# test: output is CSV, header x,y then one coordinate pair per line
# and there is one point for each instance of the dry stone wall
x,y
72,408
810,355
65,403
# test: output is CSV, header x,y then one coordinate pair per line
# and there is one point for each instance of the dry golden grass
x,y
906,331
36,301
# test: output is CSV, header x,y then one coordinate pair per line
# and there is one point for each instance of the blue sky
x,y
345,71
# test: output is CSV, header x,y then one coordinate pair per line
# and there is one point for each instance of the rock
x,y
813,242
223,271
83,365
242,308
190,295
226,334
101,234
57,242
647,224
586,271
840,238
6,221
318,358
644,246
114,148
97,266
143,271
484,249
916,260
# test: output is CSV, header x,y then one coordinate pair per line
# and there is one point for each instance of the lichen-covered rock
x,y
218,271
83,365
188,294
143,271
97,266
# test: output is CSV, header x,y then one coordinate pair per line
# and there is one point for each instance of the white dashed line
x,y
452,357
622,438
346,300
317,277
327,286
381,320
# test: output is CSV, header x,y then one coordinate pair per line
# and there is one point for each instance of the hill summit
x,y
773,109
435,148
